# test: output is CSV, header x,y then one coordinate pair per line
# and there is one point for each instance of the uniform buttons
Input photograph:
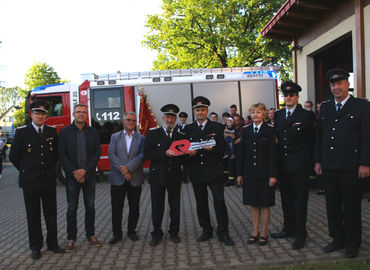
x,y
284,139
332,138
42,146
42,162
201,163
254,150
254,143
284,146
201,155
286,154
355,150
331,148
254,156
333,128
42,154
336,120
284,130
254,164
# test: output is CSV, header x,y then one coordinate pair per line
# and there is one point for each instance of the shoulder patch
x,y
22,127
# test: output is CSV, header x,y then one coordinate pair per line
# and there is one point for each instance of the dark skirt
x,y
258,193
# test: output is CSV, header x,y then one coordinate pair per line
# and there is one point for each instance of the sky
x,y
74,37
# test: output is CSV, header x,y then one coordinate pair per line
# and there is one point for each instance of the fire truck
x,y
107,96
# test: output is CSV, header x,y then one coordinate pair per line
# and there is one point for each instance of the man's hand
x,y
363,171
78,174
170,153
237,141
318,169
192,153
272,181
123,169
128,176
239,179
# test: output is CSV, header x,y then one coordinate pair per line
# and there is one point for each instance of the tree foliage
x,y
215,33
9,97
40,74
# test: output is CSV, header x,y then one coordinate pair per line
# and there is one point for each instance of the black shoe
x,y
154,242
226,240
298,244
282,234
35,254
132,236
58,249
114,240
333,246
204,237
352,252
175,238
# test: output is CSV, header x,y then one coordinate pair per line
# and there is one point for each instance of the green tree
x,y
9,97
39,74
215,33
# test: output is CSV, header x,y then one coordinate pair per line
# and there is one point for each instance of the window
x,y
107,99
11,119
56,105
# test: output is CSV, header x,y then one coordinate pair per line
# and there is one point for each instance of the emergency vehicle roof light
x,y
100,82
220,76
112,82
209,77
167,79
156,79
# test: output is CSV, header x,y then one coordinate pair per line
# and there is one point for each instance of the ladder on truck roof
x,y
92,77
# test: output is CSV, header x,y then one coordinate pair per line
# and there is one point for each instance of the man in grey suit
x,y
126,154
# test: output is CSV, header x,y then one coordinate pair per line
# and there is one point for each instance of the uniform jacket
x,y
296,139
35,157
257,156
343,137
206,166
133,160
67,145
164,170
179,128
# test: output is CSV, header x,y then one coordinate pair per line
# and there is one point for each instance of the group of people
x,y
336,145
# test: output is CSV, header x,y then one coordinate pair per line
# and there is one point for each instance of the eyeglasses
x,y
130,120
289,94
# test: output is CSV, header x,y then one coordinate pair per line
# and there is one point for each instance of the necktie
x,y
255,130
200,127
289,114
339,106
168,131
40,132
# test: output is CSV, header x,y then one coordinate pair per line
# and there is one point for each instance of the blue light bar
x,y
270,73
43,87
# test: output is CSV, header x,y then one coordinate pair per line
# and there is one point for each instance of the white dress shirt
x,y
128,139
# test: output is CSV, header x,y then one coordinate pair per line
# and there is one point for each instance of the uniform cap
x,y
171,109
183,114
200,101
39,106
290,87
336,74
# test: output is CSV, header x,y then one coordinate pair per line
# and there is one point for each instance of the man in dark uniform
x,y
342,156
206,170
165,174
34,154
295,130
180,128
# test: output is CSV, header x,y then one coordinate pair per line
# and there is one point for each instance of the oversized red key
x,y
180,146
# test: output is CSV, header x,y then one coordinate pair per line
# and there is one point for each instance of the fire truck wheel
x,y
60,173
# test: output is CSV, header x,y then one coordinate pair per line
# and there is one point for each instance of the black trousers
x,y
294,188
118,194
32,199
343,206
201,197
158,195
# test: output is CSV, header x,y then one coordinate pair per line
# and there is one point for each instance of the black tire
x,y
60,173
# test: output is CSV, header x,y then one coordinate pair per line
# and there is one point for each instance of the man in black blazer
x,y
34,154
295,130
342,156
164,174
206,170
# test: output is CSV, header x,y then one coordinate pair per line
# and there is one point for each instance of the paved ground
x,y
14,252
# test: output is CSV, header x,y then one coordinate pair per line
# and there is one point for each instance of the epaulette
x,y
22,127
270,125
181,132
188,124
325,101
247,125
50,126
153,128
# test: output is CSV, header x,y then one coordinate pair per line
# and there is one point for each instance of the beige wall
x,y
305,58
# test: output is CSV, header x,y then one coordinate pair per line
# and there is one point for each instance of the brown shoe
x,y
70,245
94,241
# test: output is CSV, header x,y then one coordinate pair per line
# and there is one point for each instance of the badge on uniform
x,y
29,148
